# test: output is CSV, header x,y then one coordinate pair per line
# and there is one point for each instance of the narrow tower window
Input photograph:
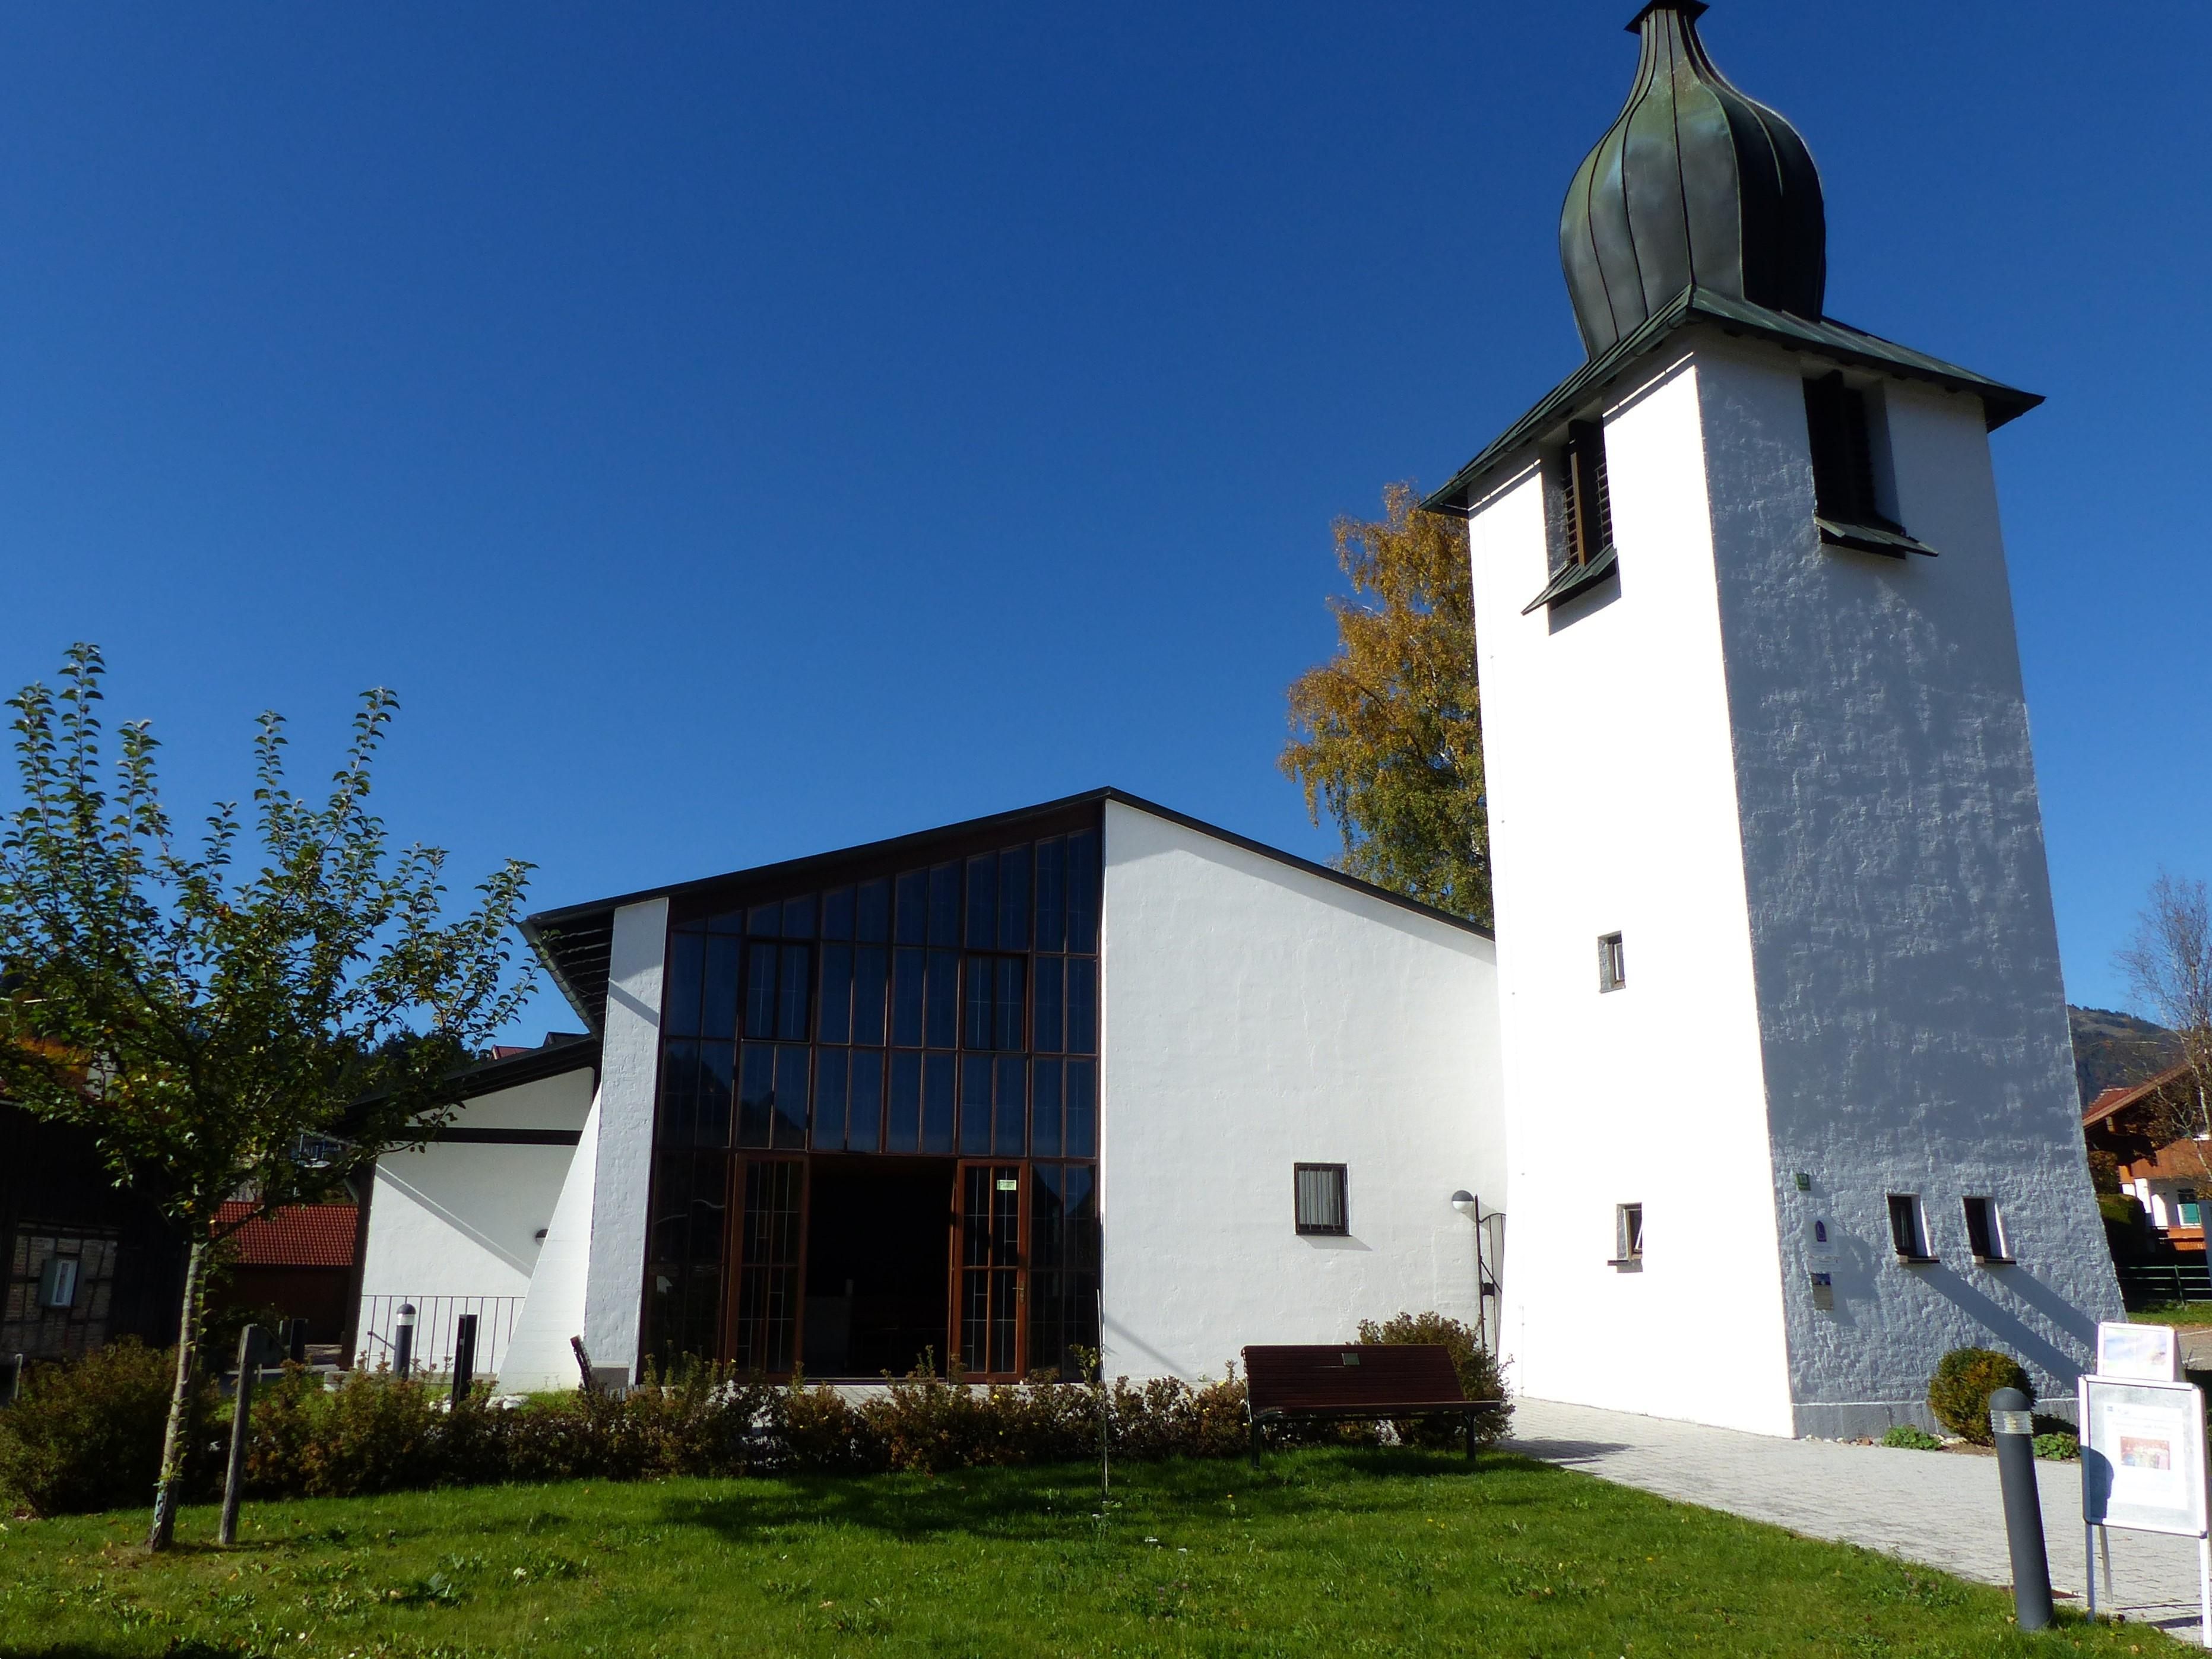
x,y
1627,1236
1612,964
1907,1230
1986,1231
1584,553
1846,498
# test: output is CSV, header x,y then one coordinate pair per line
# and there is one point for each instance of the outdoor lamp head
x,y
1463,1201
407,1313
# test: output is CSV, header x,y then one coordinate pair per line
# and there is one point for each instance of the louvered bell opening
x,y
1589,510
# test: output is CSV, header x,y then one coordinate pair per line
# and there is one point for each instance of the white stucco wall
x,y
1258,1016
1798,781
538,1356
1612,806
1911,1006
614,1289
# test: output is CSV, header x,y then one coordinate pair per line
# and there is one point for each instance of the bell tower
x,y
1789,1093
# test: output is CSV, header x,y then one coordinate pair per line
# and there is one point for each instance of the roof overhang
x,y
1838,342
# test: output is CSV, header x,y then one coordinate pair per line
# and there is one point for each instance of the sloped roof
x,y
304,1236
2115,1101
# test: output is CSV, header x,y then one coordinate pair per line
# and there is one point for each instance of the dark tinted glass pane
x,y
975,1103
871,966
791,1069
671,1208
837,913
982,901
717,1060
978,1022
902,1110
710,1196
829,1080
1083,890
1082,1109
756,1093
1052,895
798,917
941,1018
937,1103
679,1091
864,1112
1081,1006
1044,1108
1047,1216
1083,1216
1010,1106
702,1311
730,921
906,998
944,905
765,921
1048,1029
759,990
914,908
1014,899
1007,1003
791,1011
719,1017
833,1020
872,925
686,957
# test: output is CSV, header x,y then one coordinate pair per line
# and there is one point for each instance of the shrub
x,y
2059,1446
1965,1379
1907,1438
87,1434
1478,1375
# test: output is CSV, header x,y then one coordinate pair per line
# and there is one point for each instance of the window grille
x,y
1320,1199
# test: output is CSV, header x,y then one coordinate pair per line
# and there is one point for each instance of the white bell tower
x,y
1790,1092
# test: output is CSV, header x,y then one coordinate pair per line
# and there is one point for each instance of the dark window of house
x,y
1063,1265
1840,428
1588,496
1986,1231
1612,964
1906,1230
1320,1198
1627,1235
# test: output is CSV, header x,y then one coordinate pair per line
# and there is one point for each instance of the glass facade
x,y
922,1015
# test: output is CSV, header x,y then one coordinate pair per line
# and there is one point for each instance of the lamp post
x,y
402,1340
1471,1206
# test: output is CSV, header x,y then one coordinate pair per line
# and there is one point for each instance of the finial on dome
x,y
1693,184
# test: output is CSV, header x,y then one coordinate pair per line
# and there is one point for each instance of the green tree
x,y
1386,735
229,1019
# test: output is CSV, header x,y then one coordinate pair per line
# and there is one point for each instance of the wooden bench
x,y
1352,1381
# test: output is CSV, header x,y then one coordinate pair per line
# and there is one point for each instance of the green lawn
x,y
2188,1314
1326,1554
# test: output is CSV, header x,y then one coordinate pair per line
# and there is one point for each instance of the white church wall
x,y
1257,1016
1610,785
454,1220
630,1065
538,1356
1911,1006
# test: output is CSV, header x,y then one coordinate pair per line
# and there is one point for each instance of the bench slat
x,y
1347,1377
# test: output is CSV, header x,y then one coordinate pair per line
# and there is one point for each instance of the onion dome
x,y
1694,185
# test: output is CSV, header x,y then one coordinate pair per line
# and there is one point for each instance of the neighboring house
x,y
300,1261
86,1261
2169,1175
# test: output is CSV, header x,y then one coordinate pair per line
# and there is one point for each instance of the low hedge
x,y
1958,1394
87,1436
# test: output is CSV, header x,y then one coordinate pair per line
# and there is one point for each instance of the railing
x,y
2171,1281
436,1323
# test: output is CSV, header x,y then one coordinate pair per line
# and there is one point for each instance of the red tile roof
x,y
2116,1100
305,1236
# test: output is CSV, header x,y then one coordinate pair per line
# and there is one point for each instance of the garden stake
x,y
234,1479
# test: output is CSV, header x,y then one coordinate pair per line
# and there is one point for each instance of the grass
x,y
2187,1314
1337,1552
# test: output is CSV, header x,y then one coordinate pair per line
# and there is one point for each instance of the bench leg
x,y
1470,1436
1255,1442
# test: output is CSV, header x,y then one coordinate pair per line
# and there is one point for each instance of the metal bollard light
x,y
403,1340
465,1356
295,1342
2013,1424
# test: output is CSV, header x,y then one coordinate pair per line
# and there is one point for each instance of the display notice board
x,y
2143,1466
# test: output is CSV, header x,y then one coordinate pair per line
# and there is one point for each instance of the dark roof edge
x,y
486,1076
1826,338
545,921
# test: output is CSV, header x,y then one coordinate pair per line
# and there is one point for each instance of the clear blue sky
x,y
739,434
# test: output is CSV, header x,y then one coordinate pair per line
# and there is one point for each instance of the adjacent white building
x,y
1768,1068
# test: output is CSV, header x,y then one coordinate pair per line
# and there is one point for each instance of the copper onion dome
x,y
1692,184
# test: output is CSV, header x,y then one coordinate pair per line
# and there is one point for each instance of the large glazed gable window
x,y
1582,549
1840,428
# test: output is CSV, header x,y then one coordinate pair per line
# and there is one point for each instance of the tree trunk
x,y
167,1491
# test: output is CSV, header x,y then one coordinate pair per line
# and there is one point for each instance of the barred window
x,y
1320,1205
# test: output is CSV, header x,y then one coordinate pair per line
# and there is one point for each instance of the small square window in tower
x,y
1986,1231
1627,1236
1320,1199
1612,964
1582,553
1908,1230
1840,425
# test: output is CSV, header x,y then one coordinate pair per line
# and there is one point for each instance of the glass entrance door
x,y
988,1290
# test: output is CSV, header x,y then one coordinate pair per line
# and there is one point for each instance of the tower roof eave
x,y
1827,338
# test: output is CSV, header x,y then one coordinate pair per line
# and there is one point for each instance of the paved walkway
x,y
1942,1509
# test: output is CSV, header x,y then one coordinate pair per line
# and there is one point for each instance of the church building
x,y
1767,1069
